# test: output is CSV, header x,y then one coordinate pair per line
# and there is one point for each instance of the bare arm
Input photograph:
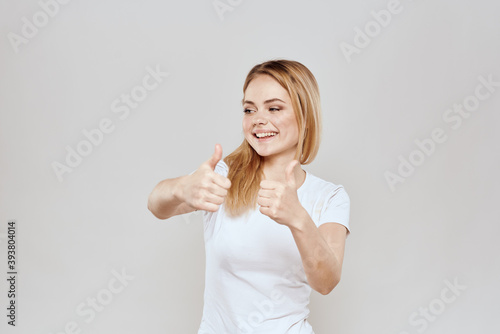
x,y
322,252
202,190
163,202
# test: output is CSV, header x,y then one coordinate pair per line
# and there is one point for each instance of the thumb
x,y
215,158
290,177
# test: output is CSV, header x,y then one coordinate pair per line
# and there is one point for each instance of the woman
x,y
272,231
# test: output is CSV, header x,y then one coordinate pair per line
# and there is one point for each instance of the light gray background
x,y
440,224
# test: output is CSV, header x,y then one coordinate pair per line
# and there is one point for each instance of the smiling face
x,y
269,124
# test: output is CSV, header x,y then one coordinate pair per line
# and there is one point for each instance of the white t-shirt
x,y
254,280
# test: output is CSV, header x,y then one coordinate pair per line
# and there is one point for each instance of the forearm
x,y
164,201
321,265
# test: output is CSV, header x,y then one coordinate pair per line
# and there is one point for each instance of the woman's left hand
x,y
279,200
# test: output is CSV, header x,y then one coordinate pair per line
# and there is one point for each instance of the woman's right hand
x,y
205,189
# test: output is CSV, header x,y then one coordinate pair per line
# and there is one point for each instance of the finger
x,y
222,181
208,207
265,210
263,201
215,158
217,190
267,184
266,193
214,199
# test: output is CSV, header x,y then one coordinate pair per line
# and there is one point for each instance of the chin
x,y
266,153
262,153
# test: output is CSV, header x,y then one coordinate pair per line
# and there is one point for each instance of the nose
x,y
259,120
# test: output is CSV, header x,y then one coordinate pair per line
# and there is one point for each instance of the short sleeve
x,y
221,168
337,208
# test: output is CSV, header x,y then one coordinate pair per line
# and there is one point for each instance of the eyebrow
x,y
265,102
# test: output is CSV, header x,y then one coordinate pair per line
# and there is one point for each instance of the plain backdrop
x,y
408,243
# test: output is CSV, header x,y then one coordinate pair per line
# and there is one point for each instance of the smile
x,y
266,134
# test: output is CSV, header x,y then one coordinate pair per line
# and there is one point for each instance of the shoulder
x,y
327,202
319,187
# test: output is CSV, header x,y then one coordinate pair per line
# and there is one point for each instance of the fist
x,y
205,189
279,200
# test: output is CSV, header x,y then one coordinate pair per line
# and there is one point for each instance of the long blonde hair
x,y
245,165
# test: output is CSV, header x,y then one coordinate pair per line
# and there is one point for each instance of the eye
x,y
274,109
247,111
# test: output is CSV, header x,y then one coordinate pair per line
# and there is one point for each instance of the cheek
x,y
245,123
287,125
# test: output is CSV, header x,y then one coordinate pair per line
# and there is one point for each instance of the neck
x,y
274,169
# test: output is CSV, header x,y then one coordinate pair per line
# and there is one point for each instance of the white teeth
x,y
266,134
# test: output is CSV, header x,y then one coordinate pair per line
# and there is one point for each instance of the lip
x,y
265,139
263,131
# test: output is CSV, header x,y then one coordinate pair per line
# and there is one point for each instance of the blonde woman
x,y
273,232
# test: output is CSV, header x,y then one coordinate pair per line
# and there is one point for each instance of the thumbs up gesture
x,y
279,200
206,189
